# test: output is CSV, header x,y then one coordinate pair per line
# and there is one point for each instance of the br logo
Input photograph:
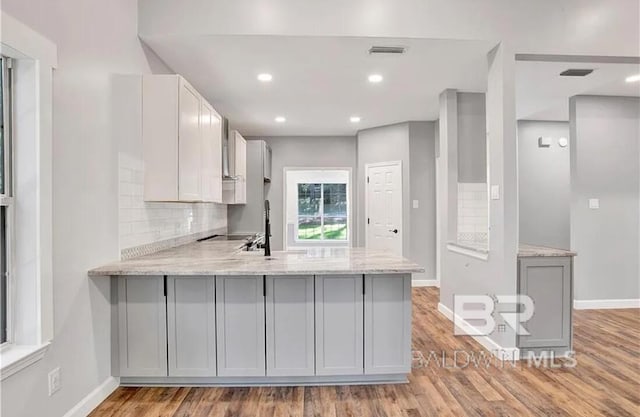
x,y
474,314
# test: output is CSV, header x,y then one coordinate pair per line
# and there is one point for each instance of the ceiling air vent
x,y
576,72
387,50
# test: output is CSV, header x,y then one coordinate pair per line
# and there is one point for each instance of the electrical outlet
x,y
54,381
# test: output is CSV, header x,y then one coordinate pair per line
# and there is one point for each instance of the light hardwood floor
x,y
606,381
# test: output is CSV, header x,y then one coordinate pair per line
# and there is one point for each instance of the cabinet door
x,y
240,325
211,157
387,324
142,326
191,326
290,325
189,143
241,169
339,325
547,280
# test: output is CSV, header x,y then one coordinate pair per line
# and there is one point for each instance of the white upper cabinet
x,y
182,142
211,133
189,144
235,190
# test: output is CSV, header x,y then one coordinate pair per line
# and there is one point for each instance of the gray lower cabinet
x,y
548,281
387,324
191,337
339,325
240,325
142,325
290,325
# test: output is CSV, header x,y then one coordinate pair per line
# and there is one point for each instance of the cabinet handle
x,y
164,285
264,286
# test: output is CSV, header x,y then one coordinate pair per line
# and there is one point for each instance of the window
x,y
317,208
6,197
322,211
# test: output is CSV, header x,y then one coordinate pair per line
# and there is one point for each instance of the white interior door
x,y
384,206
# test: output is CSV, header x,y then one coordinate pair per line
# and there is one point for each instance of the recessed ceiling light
x,y
280,119
633,78
375,78
354,119
265,78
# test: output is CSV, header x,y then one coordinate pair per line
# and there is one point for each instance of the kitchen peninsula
x,y
208,313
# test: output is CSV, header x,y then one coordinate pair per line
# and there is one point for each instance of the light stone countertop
x,y
527,251
226,258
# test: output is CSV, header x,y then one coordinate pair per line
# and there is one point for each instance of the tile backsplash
x,y
143,222
473,214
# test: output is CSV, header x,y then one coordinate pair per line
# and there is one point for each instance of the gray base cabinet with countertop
x,y
387,325
548,280
191,316
290,325
240,325
263,330
339,325
142,326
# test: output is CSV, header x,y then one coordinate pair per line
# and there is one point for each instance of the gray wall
x,y
461,273
91,49
543,180
413,143
305,151
605,164
472,139
422,182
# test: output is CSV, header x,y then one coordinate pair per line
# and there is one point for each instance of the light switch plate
x,y
594,203
416,204
495,192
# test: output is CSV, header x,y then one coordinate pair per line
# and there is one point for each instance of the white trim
x,y
473,253
425,283
20,41
35,57
94,398
606,304
485,341
14,358
366,200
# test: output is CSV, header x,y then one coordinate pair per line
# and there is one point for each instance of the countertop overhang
x,y
530,251
227,258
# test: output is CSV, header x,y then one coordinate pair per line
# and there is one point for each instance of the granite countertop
x,y
226,258
526,251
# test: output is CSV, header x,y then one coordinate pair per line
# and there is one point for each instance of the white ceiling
x,y
319,82
542,94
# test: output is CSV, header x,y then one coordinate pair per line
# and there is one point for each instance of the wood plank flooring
x,y
606,381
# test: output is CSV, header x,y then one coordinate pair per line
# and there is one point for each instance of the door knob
x,y
394,231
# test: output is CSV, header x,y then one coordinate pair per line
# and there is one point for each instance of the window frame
x,y
293,175
7,198
34,60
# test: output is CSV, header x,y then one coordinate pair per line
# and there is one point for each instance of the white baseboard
x,y
486,342
94,398
425,283
606,304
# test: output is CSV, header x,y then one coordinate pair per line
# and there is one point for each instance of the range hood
x,y
225,150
